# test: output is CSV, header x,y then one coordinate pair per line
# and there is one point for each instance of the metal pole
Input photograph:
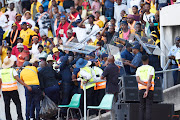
x,y
84,87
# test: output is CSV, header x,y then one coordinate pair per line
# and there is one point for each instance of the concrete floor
x,y
13,107
21,91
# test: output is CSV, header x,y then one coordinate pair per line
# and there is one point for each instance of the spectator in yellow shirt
x,y
4,50
30,76
98,21
35,9
45,42
26,34
99,39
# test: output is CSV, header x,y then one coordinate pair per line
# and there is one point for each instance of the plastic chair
x,y
74,104
106,104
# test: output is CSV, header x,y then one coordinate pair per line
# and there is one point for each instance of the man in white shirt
x,y
12,13
146,18
91,29
8,24
117,10
28,20
3,21
34,51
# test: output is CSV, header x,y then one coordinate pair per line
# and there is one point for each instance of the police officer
x,y
145,77
8,77
171,55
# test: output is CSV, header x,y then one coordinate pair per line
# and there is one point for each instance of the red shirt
x,y
74,15
64,28
56,58
18,25
39,37
16,52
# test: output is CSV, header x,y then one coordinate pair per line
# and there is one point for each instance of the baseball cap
x,y
137,46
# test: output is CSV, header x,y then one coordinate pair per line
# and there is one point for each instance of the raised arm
x,y
81,23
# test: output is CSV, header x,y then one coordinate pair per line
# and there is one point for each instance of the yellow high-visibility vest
x,y
8,81
144,76
88,85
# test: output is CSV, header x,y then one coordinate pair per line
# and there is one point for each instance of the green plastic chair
x,y
106,104
74,104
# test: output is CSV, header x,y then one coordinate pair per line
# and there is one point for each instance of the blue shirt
x,y
65,71
127,56
109,4
173,52
45,5
136,62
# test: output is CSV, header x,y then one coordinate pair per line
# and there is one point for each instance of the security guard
x,y
145,77
8,77
86,75
171,55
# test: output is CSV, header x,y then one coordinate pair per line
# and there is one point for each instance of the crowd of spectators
x,y
38,29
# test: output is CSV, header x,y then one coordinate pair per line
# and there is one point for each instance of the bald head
x,y
111,59
43,64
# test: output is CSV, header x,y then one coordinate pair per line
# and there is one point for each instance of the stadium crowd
x,y
33,33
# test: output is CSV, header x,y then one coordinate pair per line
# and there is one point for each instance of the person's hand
x,y
145,94
86,17
29,88
151,24
66,51
74,80
73,20
126,63
84,82
29,25
107,25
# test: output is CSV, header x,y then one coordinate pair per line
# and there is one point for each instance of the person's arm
x,y
70,25
141,17
139,81
22,83
50,13
81,23
131,65
105,73
148,86
104,29
64,62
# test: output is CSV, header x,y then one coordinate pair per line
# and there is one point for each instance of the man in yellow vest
x,y
8,77
30,76
86,76
145,77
